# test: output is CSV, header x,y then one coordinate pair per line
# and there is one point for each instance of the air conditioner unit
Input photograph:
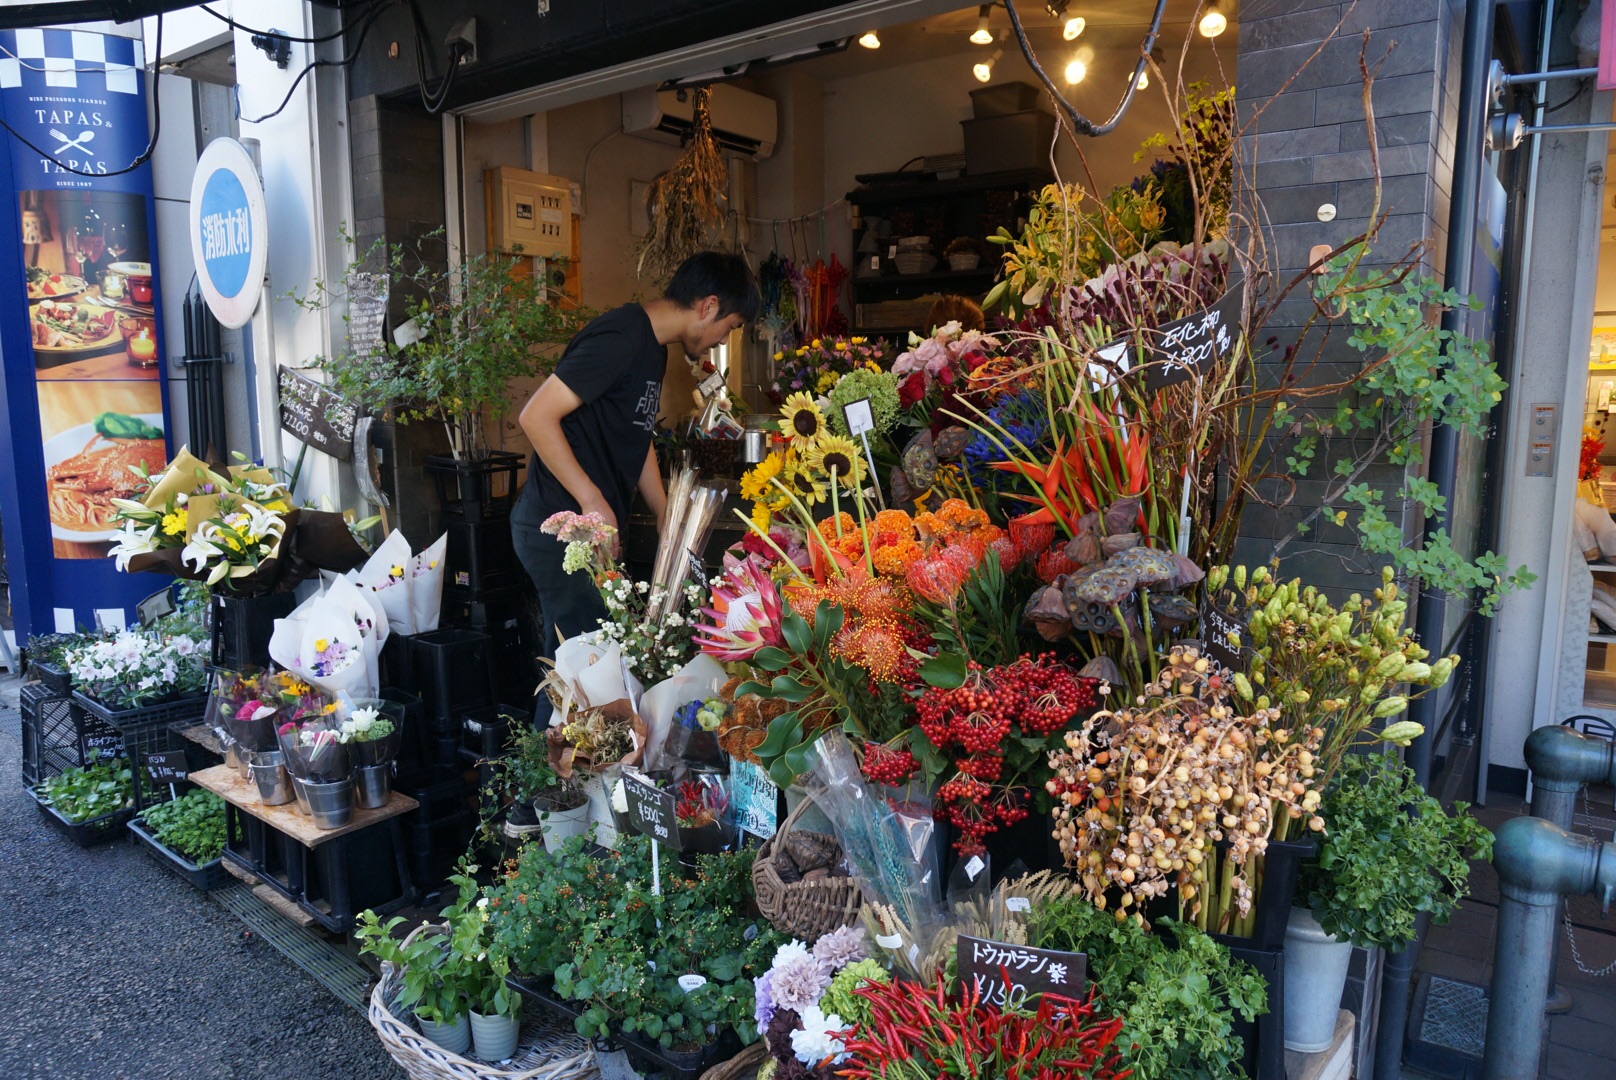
x,y
743,122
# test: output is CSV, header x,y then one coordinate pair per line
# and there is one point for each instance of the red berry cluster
x,y
983,722
884,765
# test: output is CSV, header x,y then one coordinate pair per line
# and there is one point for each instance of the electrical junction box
x,y
529,213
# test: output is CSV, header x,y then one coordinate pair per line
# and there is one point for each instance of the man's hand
x,y
598,505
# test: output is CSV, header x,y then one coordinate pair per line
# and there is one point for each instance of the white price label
x,y
687,983
859,417
892,251
1017,903
712,384
974,867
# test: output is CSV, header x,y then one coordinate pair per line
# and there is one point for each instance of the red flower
x,y
912,389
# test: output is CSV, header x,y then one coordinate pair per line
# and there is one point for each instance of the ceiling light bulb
x,y
1144,80
1213,22
1074,26
870,41
1075,71
984,70
982,35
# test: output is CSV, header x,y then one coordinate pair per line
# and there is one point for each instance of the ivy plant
x,y
1389,852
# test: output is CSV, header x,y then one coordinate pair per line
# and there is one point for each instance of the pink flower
x,y
246,711
568,527
745,615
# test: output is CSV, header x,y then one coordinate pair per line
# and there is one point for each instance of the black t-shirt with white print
x,y
615,365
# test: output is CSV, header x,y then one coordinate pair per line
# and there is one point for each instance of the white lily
x,y
133,541
201,549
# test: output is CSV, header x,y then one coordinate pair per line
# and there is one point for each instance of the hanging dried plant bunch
x,y
682,204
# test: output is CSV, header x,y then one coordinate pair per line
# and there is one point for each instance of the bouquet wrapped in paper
x,y
408,588
587,674
371,728
697,681
237,530
331,641
314,751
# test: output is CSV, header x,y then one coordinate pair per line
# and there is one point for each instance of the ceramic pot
x,y
1315,974
330,805
495,1036
560,825
453,1037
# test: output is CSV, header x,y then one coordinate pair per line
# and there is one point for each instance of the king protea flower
x,y
745,615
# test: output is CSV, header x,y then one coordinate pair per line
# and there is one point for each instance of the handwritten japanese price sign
x,y
1225,632
1008,975
650,810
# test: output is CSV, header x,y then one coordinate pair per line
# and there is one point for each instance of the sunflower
x,y
755,484
839,455
806,484
800,421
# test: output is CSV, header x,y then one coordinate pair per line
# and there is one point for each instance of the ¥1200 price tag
x,y
166,767
650,810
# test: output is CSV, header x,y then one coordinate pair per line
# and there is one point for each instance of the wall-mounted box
x,y
529,213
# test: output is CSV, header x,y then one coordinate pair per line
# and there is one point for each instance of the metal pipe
x,y
1442,470
1563,761
1531,130
1538,863
1545,76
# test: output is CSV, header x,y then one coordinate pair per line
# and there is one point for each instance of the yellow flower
x,y
755,484
873,366
805,485
801,421
816,343
837,454
397,571
779,356
859,340
826,381
841,345
321,644
174,524
278,506
761,515
328,708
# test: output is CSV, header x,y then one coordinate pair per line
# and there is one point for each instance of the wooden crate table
x,y
329,873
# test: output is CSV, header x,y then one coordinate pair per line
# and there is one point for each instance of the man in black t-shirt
x,y
591,422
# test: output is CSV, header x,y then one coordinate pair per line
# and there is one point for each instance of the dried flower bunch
x,y
1146,791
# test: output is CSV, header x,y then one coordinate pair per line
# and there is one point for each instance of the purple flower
x,y
841,947
799,983
763,999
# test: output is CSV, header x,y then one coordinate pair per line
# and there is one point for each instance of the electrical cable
x,y
432,100
234,25
151,144
369,18
1080,123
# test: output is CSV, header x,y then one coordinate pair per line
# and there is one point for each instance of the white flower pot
x,y
495,1036
560,825
1315,974
453,1037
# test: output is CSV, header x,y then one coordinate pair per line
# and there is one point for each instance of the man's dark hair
x,y
716,273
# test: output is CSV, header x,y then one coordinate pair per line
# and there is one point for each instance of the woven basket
x,y
803,909
964,260
915,262
743,1064
548,1049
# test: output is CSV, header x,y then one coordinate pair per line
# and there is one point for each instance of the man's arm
x,y
651,489
541,422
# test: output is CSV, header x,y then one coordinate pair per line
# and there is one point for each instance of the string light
x,y
870,40
1074,26
1213,21
982,35
984,70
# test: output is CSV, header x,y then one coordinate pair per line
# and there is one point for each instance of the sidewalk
x,y
1580,1041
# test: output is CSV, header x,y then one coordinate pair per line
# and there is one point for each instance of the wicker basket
x,y
915,262
743,1064
548,1049
803,909
964,260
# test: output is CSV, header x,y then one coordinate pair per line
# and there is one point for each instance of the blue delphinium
x,y
1024,419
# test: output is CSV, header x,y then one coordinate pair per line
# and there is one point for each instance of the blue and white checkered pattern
x,y
74,58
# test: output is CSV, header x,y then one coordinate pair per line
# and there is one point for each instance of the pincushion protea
x,y
745,615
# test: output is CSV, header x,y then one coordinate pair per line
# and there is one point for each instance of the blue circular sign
x,y
229,231
226,232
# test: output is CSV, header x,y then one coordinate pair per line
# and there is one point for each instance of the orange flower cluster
x,y
958,523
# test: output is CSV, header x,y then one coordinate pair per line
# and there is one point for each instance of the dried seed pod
x,y
1121,516
1188,573
1046,611
1084,548
1109,585
1116,545
1101,667
1171,609
950,443
1150,565
919,462
811,850
898,484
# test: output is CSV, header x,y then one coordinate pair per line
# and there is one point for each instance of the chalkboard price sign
x,y
316,416
102,739
1224,628
166,767
1007,975
651,810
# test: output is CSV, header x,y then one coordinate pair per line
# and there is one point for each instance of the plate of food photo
x,y
89,465
44,285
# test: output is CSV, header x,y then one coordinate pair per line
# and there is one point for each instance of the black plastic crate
x,y
441,791
144,730
480,557
413,749
242,627
499,609
476,490
485,731
56,679
435,846
446,750
50,741
209,875
454,671
85,834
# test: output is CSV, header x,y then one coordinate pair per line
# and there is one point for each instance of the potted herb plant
x,y
433,980
495,1009
90,802
189,833
1389,852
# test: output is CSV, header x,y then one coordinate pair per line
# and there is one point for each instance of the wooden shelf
x,y
1602,567
939,190
1602,639
935,277
227,783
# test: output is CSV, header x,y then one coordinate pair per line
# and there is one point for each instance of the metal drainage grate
x,y
1455,1016
330,966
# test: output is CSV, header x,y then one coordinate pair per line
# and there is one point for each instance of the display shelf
x,y
1602,639
1602,567
935,190
937,277
227,783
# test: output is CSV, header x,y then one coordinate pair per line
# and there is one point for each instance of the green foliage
x,y
981,624
191,826
1415,374
1070,237
1177,1005
1199,168
481,323
526,772
590,922
1389,852
839,997
881,387
52,648
104,786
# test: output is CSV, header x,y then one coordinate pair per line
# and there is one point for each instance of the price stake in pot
x,y
1008,975
1225,632
650,810
166,767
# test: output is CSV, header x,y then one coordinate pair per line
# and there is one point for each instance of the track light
x,y
1074,26
982,35
870,41
984,70
1213,21
1075,70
